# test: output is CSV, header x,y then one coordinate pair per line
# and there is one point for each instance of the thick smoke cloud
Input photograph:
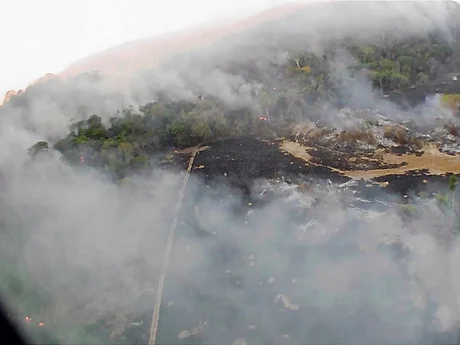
x,y
286,267
215,69
331,268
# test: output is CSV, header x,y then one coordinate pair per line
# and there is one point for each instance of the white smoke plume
x,y
303,267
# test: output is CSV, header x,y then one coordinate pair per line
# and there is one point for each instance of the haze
x,y
271,265
46,36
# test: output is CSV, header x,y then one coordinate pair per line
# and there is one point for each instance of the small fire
x,y
263,118
41,324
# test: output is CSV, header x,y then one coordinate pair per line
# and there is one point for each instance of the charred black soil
x,y
239,161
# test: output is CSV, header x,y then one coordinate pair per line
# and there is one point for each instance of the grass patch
x,y
451,101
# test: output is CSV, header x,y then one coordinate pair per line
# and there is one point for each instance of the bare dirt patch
x,y
432,160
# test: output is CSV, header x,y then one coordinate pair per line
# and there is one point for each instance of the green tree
x,y
40,146
407,65
181,133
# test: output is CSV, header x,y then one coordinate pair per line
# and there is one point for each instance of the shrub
x,y
38,147
408,209
453,129
397,134
362,135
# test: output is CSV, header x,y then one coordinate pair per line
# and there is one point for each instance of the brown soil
x,y
433,161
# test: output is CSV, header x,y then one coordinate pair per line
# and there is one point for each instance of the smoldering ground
x,y
291,270
326,274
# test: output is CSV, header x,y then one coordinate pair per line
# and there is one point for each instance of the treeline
x,y
409,62
392,65
127,142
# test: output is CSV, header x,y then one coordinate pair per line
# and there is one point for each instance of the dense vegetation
x,y
390,66
406,63
128,141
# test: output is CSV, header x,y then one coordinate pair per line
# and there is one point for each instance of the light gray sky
x,y
45,36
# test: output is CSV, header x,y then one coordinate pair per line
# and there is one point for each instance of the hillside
x,y
127,59
134,56
319,203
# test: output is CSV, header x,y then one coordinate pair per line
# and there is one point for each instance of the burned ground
x,y
241,160
238,162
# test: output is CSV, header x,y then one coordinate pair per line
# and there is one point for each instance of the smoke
x,y
284,271
287,266
229,62
336,280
